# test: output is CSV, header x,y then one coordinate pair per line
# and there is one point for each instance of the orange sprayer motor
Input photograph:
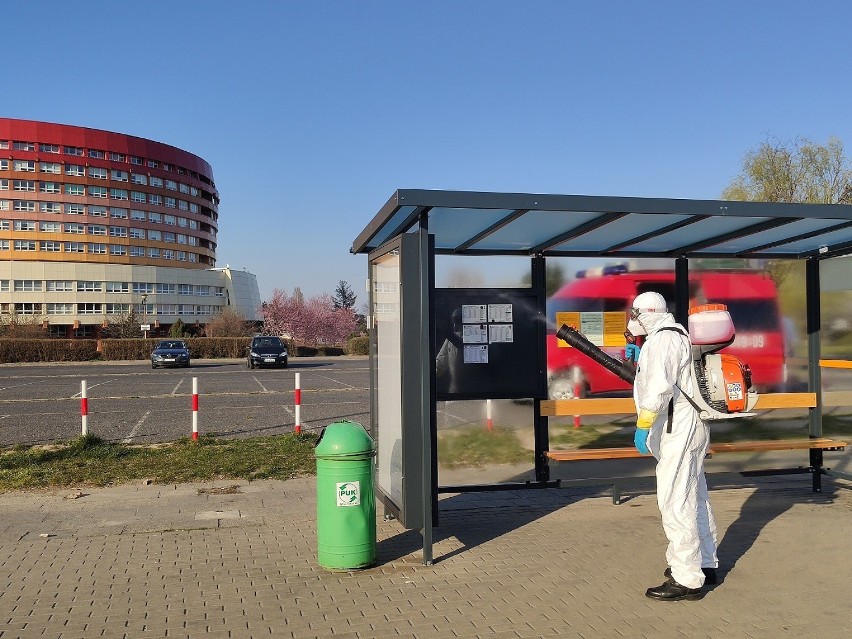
x,y
724,382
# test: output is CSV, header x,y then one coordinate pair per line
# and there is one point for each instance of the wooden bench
x,y
616,406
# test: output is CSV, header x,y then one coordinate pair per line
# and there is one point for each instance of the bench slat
x,y
625,405
583,454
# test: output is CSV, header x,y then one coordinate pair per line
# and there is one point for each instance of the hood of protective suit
x,y
652,314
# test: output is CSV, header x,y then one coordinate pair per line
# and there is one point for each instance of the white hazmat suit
x,y
662,372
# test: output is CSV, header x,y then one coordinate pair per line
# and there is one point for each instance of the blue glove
x,y
640,440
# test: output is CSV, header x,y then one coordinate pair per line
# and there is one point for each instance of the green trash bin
x,y
346,502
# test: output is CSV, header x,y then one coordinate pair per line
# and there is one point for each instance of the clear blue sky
x,y
313,113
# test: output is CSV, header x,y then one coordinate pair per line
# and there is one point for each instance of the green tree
x,y
554,277
178,329
794,171
344,297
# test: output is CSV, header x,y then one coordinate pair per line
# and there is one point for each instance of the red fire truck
x,y
751,298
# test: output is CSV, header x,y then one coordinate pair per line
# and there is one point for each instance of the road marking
x,y
174,390
133,432
331,379
20,385
265,390
88,386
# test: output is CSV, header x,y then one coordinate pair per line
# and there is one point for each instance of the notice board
x,y
490,344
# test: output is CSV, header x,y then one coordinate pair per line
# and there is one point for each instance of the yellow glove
x,y
646,419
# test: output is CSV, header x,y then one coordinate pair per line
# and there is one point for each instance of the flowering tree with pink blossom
x,y
309,322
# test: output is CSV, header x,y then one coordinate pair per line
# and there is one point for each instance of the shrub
x,y
47,350
358,345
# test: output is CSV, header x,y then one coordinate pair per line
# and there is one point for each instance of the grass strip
x,y
90,461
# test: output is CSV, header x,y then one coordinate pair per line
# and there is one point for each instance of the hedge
x,y
14,350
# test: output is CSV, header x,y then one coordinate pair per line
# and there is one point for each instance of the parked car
x,y
267,350
171,352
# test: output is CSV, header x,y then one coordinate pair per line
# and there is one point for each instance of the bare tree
x,y
229,323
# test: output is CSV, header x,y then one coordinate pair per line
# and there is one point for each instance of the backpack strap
x,y
681,331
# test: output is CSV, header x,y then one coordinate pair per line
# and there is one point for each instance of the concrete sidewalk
x,y
214,560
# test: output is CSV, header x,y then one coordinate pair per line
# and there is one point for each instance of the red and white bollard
x,y
576,396
297,399
84,408
489,423
195,409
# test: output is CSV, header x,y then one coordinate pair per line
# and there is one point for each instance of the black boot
x,y
709,575
673,591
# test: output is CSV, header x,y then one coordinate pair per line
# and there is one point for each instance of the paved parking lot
x,y
128,401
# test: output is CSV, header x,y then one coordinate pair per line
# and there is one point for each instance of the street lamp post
x,y
145,315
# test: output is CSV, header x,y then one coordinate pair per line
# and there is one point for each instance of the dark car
x,y
171,352
267,350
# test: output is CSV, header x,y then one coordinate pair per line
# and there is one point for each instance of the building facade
x,y
94,224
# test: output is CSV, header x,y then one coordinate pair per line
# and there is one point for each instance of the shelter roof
x,y
483,223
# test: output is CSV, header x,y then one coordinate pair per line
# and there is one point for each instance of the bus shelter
x,y
500,333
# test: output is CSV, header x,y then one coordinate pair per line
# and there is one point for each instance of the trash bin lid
x,y
344,438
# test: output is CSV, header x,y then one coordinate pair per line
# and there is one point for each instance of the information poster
x,y
601,329
476,354
474,313
500,313
500,333
475,333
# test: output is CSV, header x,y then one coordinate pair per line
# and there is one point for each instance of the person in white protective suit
x,y
668,426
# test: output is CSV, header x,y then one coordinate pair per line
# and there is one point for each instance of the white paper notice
x,y
500,333
474,313
474,334
475,354
500,313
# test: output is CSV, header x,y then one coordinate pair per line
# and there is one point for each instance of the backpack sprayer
x,y
723,381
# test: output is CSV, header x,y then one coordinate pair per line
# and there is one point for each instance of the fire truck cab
x,y
751,298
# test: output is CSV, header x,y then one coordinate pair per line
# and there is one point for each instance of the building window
x,y
97,173
23,146
137,251
135,159
118,176
89,287
155,181
4,205
169,220
24,185
171,185
143,287
28,308
50,207
74,150
219,291
4,245
75,189
75,209
25,245
60,286
97,249
118,213
118,194
182,222
24,165
97,191
75,169
89,308
117,249
97,229
168,237
156,200
51,247
117,287
51,167
50,227
4,144
136,214
170,202
166,289
168,254
154,217
118,231
60,308
181,256
25,225
98,155
27,286
193,208
117,309
183,188
50,187
182,205
98,211
24,205
75,247
4,225
49,148
4,185
153,164
154,235
166,309
184,289
137,196
138,234
75,228
202,290
136,178
116,157
154,252
186,309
